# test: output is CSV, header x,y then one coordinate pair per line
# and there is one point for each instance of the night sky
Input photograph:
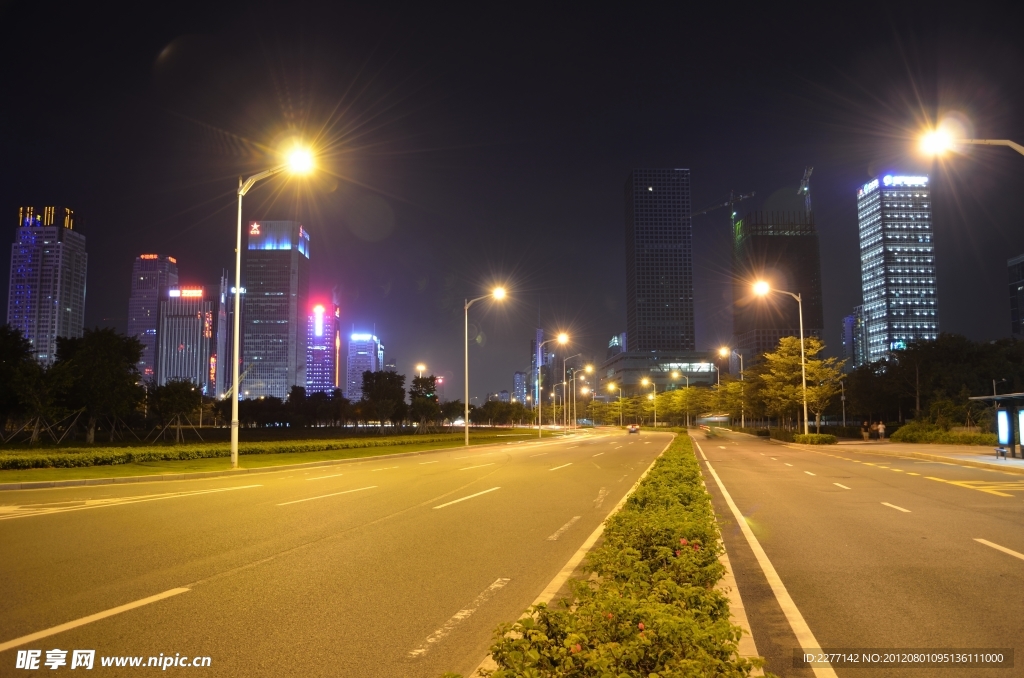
x,y
462,146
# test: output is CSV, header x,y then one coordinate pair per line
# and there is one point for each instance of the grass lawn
x,y
245,460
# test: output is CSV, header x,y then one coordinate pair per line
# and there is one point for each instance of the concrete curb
x,y
199,475
923,455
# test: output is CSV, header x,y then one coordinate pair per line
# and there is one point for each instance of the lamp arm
x,y
244,188
994,142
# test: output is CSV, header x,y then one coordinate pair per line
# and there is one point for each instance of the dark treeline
x,y
94,386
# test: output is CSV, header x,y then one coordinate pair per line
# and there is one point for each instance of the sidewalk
x,y
979,456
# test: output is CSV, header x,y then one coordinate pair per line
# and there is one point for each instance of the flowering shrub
x,y
652,609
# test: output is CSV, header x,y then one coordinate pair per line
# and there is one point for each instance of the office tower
x,y
617,345
897,256
365,354
854,339
391,364
323,348
276,307
781,248
152,276
46,298
520,386
536,361
1015,268
185,338
659,261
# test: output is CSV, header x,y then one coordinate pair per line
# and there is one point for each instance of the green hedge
x,y
815,439
928,433
121,455
652,610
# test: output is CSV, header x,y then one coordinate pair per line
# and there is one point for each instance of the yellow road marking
x,y
982,486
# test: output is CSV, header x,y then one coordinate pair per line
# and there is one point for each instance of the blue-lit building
x,y
274,315
152,276
323,346
520,386
365,354
185,347
46,298
897,255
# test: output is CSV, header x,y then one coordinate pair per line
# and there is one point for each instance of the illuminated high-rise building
x,y
46,298
520,386
274,316
185,338
365,354
659,261
897,256
152,276
323,349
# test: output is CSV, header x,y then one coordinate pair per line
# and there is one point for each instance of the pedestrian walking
x,y
881,430
873,434
865,431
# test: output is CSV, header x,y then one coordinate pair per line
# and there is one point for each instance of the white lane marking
x,y
324,496
598,454
386,468
772,458
460,616
616,448
429,462
841,485
647,442
480,466
67,506
53,630
796,620
721,447
809,473
322,477
537,455
469,497
600,498
898,508
986,542
571,447
787,463
560,531
562,466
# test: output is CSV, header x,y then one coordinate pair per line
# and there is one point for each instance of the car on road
x,y
633,428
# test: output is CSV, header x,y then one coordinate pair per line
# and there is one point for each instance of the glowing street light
x,y
497,293
612,387
654,389
421,368
298,161
725,352
562,339
761,289
940,140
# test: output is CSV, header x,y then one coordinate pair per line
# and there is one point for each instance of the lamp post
x,y
762,288
299,161
653,396
676,375
421,368
938,141
725,351
499,294
563,339
612,388
587,369
565,384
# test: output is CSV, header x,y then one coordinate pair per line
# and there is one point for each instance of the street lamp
x,y
299,161
421,368
562,339
676,375
654,390
761,289
497,293
725,351
940,140
612,388
565,409
587,369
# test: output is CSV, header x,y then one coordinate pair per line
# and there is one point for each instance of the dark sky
x,y
465,145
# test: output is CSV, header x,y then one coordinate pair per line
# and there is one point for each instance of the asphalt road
x,y
387,567
875,552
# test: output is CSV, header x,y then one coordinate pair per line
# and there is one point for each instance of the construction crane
x,y
730,203
805,189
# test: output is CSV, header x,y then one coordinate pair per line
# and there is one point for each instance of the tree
x,y
103,367
15,358
423,405
176,399
384,395
40,390
823,377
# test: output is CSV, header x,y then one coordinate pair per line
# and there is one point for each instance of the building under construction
x,y
781,248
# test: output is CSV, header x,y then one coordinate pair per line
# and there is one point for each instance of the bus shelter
x,y
1009,420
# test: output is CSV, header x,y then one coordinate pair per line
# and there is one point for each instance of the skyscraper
x,y
365,354
659,261
152,276
520,386
46,298
781,248
323,346
1015,268
185,338
897,256
274,316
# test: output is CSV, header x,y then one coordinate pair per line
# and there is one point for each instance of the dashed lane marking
x,y
787,463
473,467
386,468
324,496
986,542
465,498
898,508
537,455
11,512
560,531
598,454
841,485
809,473
562,466
336,475
429,462
457,618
